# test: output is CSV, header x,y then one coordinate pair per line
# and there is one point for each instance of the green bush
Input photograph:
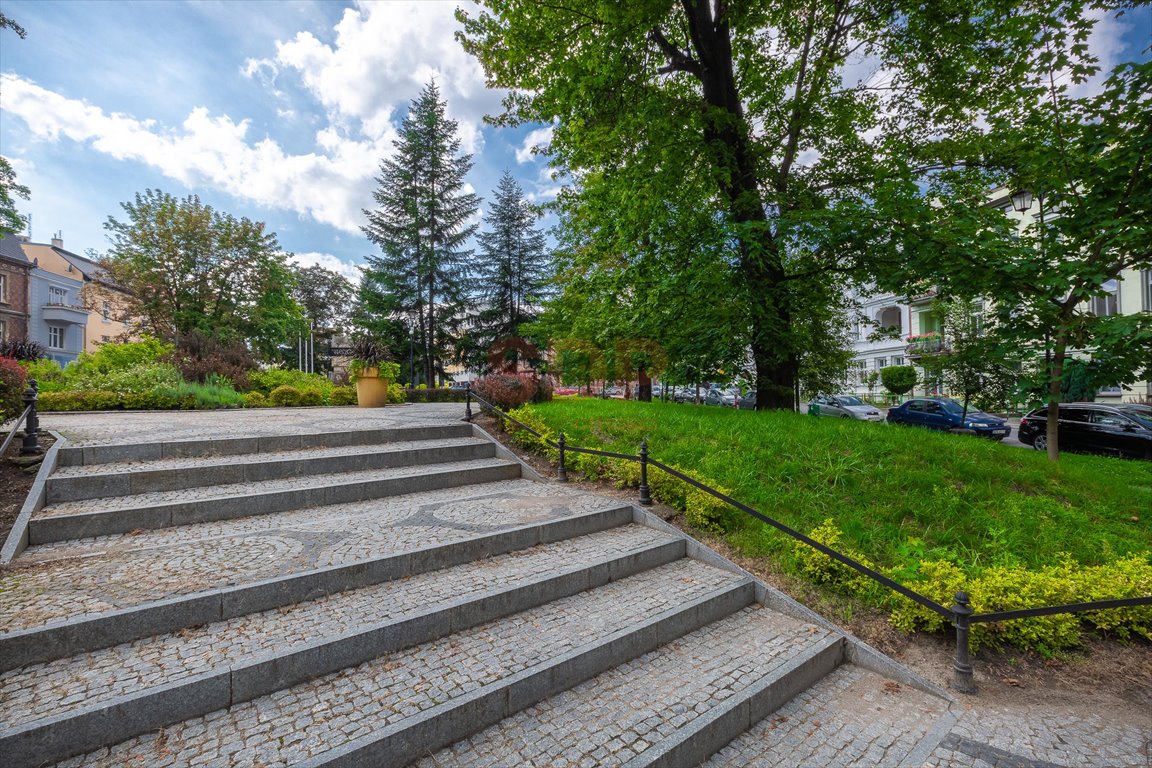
x,y
285,395
13,378
138,378
48,374
80,400
311,396
344,396
424,395
255,400
898,379
266,381
396,394
189,396
117,357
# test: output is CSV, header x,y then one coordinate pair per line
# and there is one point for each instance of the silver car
x,y
844,406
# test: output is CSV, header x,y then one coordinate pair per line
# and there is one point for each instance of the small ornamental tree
x,y
12,380
898,379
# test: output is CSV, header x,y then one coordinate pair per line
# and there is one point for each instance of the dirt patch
x,y
1105,677
15,483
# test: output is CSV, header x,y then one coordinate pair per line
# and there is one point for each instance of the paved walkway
x,y
970,733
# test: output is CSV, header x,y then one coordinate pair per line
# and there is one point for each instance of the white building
x,y
913,316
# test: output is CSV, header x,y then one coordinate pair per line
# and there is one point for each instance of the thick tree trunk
x,y
1055,378
726,134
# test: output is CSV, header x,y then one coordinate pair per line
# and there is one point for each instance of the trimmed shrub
x,y
116,357
13,378
311,396
344,396
434,395
285,396
396,394
266,381
255,400
507,391
898,379
80,400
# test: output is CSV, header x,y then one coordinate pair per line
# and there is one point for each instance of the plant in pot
x,y
372,372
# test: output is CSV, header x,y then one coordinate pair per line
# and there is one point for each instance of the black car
x,y
1114,430
942,413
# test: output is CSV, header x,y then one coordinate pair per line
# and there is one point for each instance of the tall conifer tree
x,y
513,266
420,224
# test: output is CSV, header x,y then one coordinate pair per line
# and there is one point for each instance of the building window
x,y
1109,303
3,289
1146,283
57,295
55,337
890,320
105,339
107,310
859,367
881,362
897,360
3,330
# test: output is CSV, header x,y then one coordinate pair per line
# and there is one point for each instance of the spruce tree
x,y
420,225
513,267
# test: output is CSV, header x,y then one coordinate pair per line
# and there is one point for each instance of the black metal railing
x,y
31,422
960,615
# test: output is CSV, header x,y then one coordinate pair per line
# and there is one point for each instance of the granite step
x,y
67,598
101,697
91,454
673,706
71,520
128,478
438,691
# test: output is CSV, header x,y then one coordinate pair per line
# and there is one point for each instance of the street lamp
x,y
1022,200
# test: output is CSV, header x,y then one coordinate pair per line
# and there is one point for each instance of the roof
x,y
11,250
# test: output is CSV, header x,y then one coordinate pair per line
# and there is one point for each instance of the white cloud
x,y
330,187
541,137
381,56
328,261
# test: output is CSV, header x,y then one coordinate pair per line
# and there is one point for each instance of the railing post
x,y
561,471
467,401
962,665
31,444
645,499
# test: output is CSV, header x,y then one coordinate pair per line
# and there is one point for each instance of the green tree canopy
x,y
324,295
189,268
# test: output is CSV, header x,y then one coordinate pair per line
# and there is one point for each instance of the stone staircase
x,y
405,596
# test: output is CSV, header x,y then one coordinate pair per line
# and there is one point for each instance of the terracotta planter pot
x,y
371,390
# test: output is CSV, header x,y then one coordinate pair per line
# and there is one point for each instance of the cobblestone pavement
x,y
97,575
305,720
620,713
1044,737
851,717
41,690
152,426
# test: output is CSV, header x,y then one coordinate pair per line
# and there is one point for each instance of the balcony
x,y
65,313
926,344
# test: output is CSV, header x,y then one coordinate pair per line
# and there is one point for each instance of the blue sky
x,y
279,111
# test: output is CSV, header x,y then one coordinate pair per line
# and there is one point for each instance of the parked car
x,y
722,396
845,407
1114,430
747,401
565,391
944,414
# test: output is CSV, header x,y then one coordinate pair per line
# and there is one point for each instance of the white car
x,y
844,406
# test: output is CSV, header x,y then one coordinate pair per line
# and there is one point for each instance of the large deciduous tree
x,y
513,268
325,296
749,111
422,220
189,270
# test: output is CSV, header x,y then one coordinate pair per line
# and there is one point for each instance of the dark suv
x,y
1114,430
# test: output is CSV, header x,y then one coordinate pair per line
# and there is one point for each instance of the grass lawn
x,y
899,494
